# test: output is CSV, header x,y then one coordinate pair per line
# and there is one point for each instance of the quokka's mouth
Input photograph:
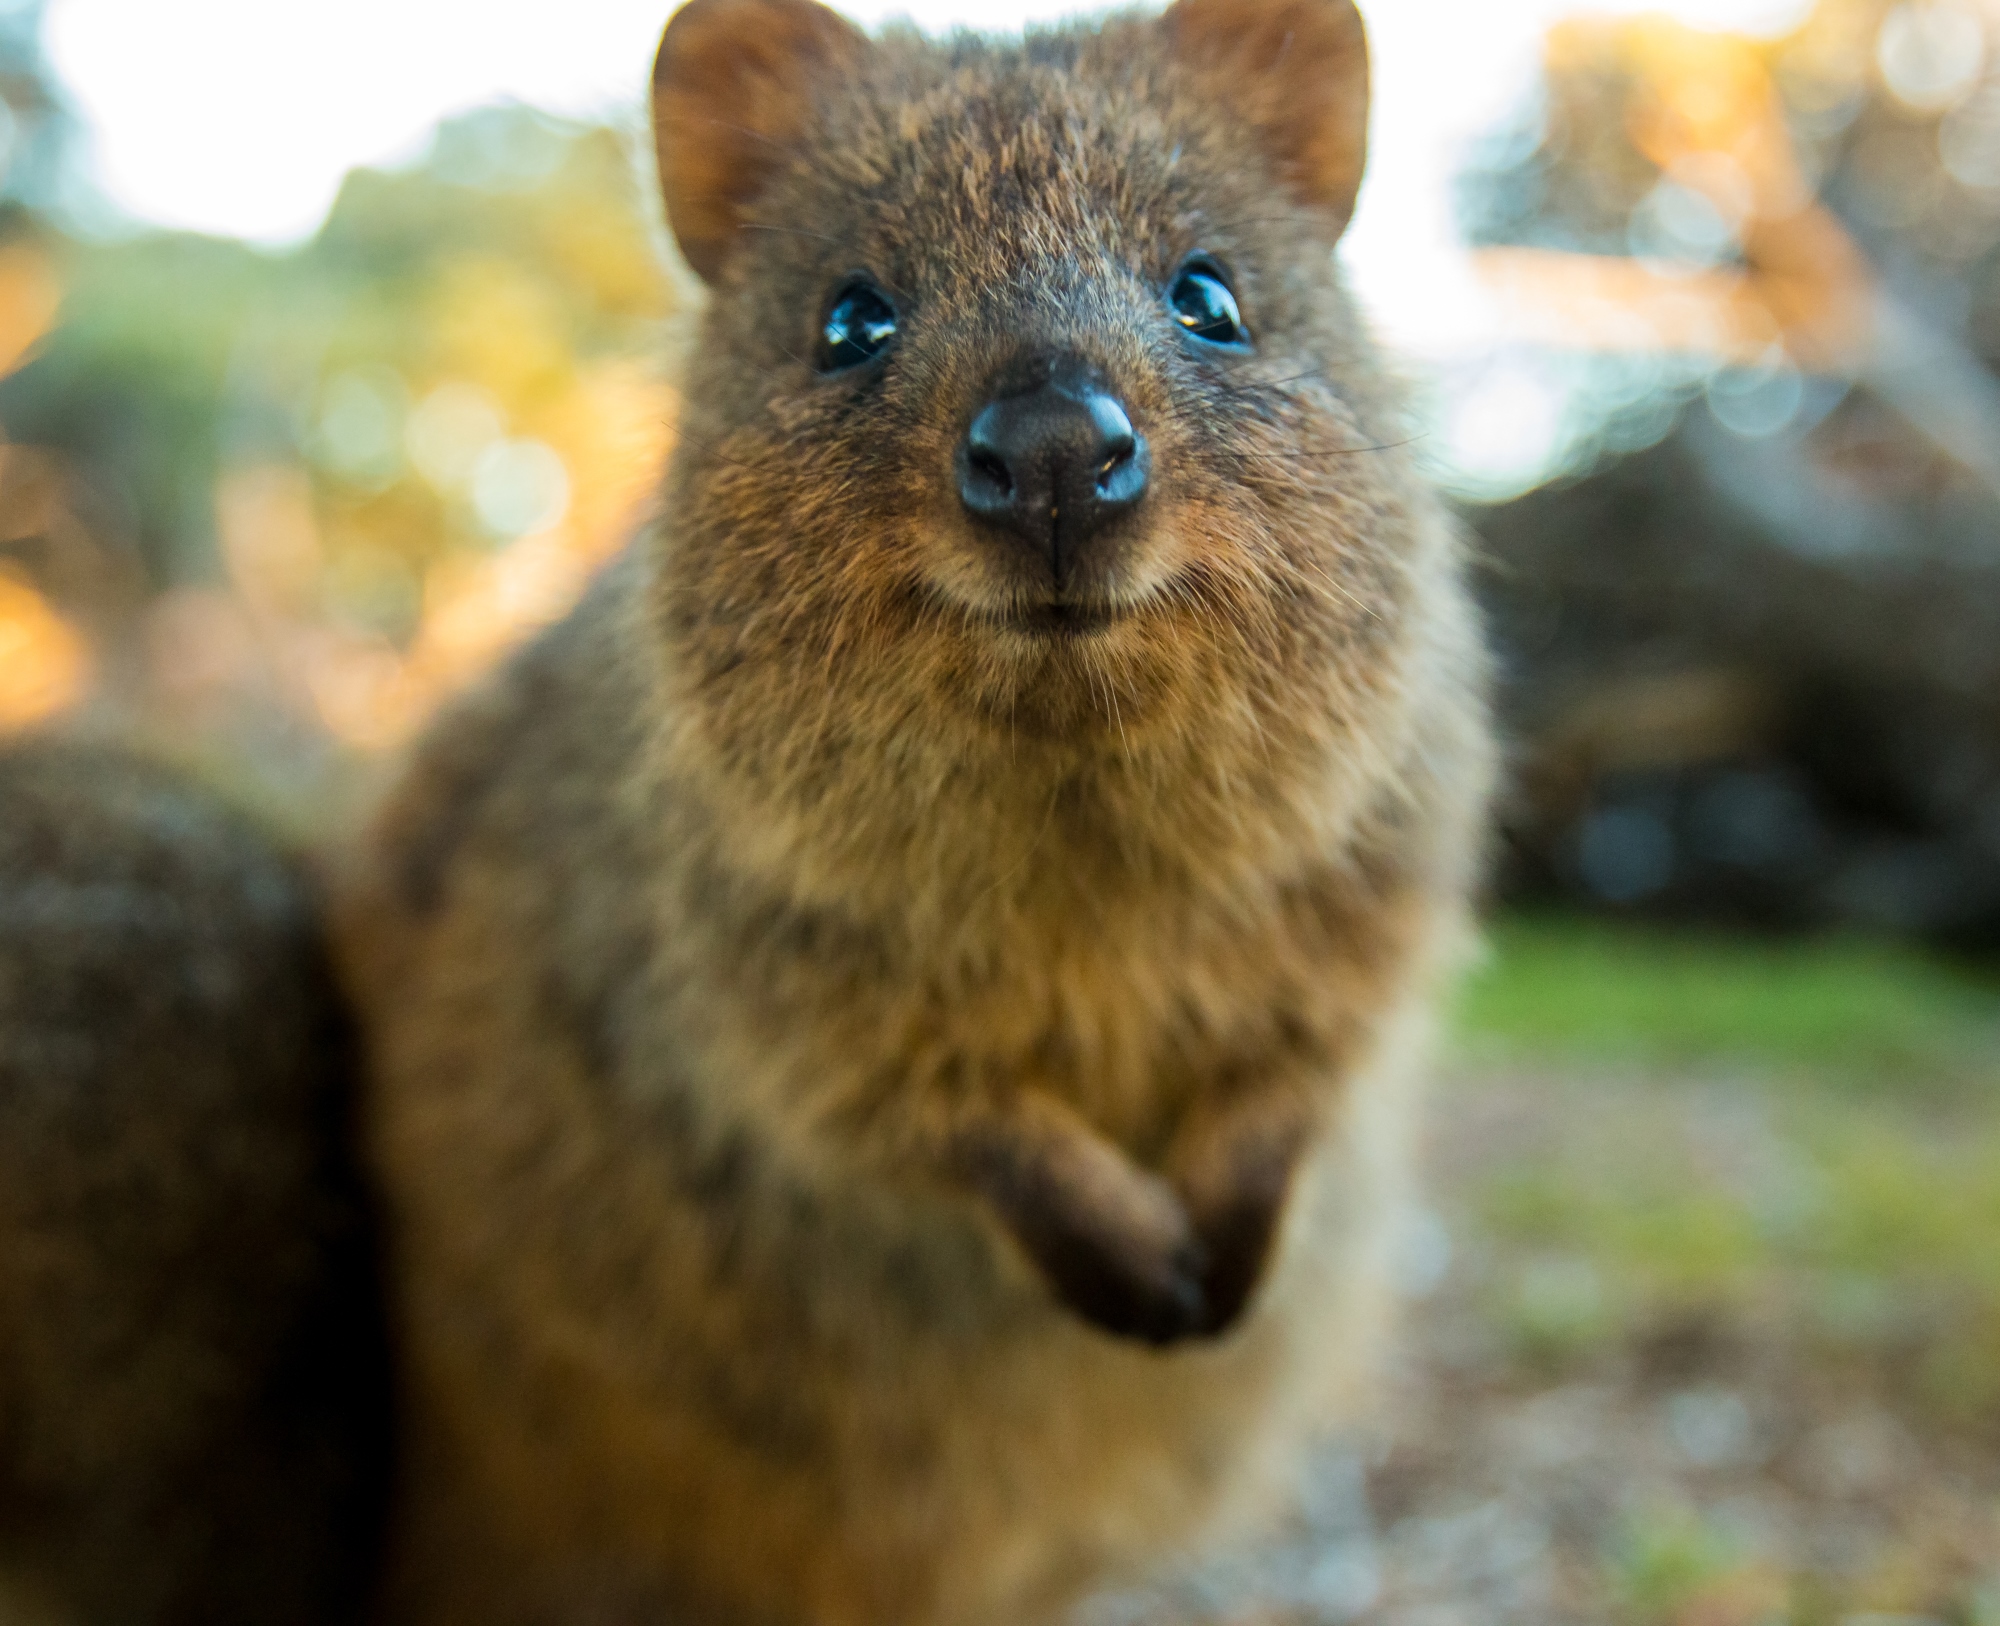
x,y
1044,620
1062,620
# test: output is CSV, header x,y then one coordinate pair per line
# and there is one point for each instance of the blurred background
x,y
334,357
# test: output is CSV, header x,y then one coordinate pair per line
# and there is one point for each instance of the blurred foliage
x,y
131,386
1749,620
336,481
37,133
1644,141
513,262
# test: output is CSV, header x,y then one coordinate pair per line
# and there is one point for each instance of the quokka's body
x,y
889,1028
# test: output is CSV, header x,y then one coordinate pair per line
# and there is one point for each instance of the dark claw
x,y
1125,1297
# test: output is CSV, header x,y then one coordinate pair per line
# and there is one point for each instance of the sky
x,y
240,117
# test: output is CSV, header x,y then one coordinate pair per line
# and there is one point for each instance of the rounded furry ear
x,y
732,90
1297,72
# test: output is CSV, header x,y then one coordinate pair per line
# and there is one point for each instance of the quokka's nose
x,y
1052,461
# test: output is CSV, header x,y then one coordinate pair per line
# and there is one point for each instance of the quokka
x,y
890,1028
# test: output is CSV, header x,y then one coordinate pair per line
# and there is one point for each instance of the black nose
x,y
1051,460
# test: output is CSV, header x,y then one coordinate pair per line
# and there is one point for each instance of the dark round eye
x,y
858,328
1203,304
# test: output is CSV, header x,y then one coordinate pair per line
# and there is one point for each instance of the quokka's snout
x,y
1052,463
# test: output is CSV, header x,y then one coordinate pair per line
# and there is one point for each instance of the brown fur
x,y
888,1080
193,1381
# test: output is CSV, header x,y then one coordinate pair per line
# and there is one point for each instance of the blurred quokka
x,y
889,1027
194,1377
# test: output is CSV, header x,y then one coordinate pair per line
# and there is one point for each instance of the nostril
x,y
1118,461
992,467
986,473
1122,476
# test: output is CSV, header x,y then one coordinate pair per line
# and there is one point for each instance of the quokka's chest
x,y
1130,1023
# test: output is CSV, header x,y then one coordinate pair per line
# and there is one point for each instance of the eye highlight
x,y
858,327
1202,303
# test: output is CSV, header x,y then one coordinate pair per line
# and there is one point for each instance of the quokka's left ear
x,y
733,88
1297,72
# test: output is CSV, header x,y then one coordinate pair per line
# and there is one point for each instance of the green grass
x,y
1838,1008
1669,1562
1769,1165
1689,1161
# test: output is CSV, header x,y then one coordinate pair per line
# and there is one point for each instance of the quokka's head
x,y
1027,403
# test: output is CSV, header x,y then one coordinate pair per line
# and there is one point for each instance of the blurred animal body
x,y
193,1373
889,1027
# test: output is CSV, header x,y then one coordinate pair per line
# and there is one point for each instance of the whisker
x,y
1289,218
788,231
708,449
1229,385
1316,457
755,135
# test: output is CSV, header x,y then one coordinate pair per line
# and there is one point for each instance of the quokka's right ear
x,y
1296,71
732,90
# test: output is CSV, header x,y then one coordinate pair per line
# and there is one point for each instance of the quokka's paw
x,y
1114,1241
1145,1287
1233,1164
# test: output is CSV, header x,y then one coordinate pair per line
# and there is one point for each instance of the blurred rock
x,y
1757,680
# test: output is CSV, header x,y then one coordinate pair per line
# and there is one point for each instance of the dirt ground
x,y
1761,1442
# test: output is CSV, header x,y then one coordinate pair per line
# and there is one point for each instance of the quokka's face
x,y
1027,371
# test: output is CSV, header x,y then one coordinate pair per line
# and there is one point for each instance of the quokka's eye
x,y
1204,306
858,327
